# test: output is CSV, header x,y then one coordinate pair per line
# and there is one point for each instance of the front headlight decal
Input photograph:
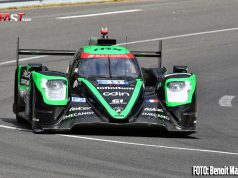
x,y
179,91
54,89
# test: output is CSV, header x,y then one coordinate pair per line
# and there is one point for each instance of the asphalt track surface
x,y
134,153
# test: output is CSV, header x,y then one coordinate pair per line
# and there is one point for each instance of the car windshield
x,y
108,68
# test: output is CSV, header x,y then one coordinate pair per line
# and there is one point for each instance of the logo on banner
x,y
16,17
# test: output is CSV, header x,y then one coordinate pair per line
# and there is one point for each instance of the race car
x,y
104,85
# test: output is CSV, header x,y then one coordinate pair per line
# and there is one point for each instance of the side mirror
x,y
180,69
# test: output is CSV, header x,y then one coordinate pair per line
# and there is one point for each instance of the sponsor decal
x,y
78,99
118,101
112,82
24,82
115,88
23,92
26,74
78,114
155,115
152,101
118,109
79,108
154,109
163,116
17,17
116,93
86,55
25,77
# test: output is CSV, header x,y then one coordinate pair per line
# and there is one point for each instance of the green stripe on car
x,y
109,109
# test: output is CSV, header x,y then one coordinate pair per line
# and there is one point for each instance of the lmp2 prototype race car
x,y
104,86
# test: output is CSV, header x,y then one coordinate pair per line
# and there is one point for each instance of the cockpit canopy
x,y
109,68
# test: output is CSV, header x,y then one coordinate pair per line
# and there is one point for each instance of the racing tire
x,y
35,125
19,119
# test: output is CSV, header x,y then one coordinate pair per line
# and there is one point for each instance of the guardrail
x,y
12,1
23,3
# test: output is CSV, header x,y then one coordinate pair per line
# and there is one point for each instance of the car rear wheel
x,y
19,119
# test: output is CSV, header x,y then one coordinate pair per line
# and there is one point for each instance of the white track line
x,y
181,36
131,143
20,60
144,41
13,128
148,145
99,14
226,100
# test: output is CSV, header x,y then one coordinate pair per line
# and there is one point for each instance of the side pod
x,y
50,97
179,96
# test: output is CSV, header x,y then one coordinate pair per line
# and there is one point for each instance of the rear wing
x,y
41,52
157,54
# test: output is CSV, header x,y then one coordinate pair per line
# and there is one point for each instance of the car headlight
x,y
54,89
178,91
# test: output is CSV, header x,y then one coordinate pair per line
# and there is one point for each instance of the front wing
x,y
80,112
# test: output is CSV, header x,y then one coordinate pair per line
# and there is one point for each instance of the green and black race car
x,y
104,86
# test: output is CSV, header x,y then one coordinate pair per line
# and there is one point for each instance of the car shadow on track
x,y
105,131
135,132
11,122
